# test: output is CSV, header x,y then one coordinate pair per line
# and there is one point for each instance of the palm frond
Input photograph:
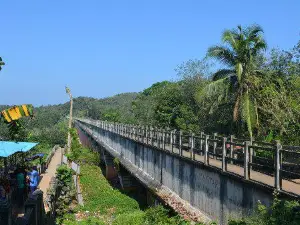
x,y
217,93
219,89
230,37
239,71
249,112
253,31
222,74
259,44
225,55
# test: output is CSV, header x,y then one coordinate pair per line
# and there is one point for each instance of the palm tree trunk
x,y
247,112
236,108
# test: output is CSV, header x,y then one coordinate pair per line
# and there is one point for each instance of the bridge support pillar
x,y
110,170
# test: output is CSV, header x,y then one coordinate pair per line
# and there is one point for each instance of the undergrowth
x,y
105,205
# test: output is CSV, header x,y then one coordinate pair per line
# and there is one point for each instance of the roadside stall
x,y
7,171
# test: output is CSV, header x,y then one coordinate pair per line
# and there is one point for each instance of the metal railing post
x,y
180,143
277,158
171,141
163,139
214,146
151,135
201,143
246,160
147,130
250,153
231,149
192,146
224,154
206,149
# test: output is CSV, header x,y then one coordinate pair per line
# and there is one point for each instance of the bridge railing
x,y
217,151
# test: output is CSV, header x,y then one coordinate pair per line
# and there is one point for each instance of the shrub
x,y
281,212
65,192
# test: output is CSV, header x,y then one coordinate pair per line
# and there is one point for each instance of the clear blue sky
x,y
101,48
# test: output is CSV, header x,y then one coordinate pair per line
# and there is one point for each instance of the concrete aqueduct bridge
x,y
200,176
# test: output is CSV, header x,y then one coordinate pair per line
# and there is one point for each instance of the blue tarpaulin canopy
x,y
8,148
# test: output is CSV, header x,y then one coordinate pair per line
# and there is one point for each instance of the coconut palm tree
x,y
1,63
238,54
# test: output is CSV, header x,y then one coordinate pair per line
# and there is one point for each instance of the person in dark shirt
x,y
20,187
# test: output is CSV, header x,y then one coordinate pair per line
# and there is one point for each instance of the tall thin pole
x,y
68,91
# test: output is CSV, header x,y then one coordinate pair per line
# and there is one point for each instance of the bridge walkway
x,y
288,186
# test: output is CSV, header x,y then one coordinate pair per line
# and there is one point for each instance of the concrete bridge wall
x,y
216,194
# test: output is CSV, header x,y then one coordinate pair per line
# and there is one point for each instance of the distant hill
x,y
49,117
86,107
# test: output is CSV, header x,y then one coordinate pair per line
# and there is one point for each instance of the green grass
x,y
106,205
101,201
98,195
88,221
134,218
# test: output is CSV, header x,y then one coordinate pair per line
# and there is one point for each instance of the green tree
x,y
239,53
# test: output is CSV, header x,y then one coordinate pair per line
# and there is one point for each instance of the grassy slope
x,y
106,205
102,203
100,196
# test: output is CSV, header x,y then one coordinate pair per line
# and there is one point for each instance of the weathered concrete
x,y
216,194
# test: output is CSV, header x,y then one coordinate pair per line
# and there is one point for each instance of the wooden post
x,y
246,160
180,143
214,145
192,146
224,154
201,143
206,149
231,149
277,158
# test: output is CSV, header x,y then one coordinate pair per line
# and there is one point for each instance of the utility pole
x,y
68,91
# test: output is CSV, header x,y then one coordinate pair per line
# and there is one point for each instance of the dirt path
x,y
45,180
50,172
